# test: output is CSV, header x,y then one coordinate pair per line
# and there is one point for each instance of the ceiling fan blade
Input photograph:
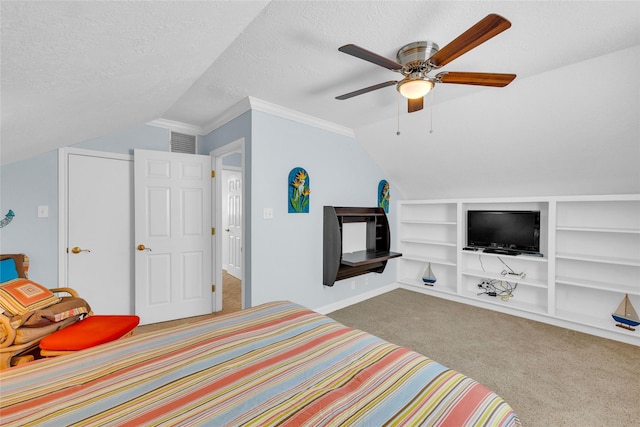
x,y
415,104
486,28
365,90
374,58
479,79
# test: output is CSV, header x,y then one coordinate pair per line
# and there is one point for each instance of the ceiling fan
x,y
417,59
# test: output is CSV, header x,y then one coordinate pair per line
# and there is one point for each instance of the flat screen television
x,y
509,232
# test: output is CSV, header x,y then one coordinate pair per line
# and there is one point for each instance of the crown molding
x,y
247,104
176,126
235,111
250,103
286,113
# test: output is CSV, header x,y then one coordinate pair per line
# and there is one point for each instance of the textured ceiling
x,y
72,71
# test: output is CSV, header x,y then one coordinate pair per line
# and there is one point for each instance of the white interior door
x,y
99,224
233,222
173,262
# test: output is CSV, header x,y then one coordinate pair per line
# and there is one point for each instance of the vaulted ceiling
x,y
72,71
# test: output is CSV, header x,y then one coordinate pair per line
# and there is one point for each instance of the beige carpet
x,y
551,376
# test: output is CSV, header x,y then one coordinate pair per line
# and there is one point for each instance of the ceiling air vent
x,y
183,143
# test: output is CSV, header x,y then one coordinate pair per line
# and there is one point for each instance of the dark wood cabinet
x,y
339,266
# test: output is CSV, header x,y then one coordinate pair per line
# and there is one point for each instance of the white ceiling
x,y
72,71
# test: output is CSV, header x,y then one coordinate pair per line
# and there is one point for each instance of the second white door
x,y
232,196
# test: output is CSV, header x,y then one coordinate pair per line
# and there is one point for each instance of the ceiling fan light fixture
x,y
414,88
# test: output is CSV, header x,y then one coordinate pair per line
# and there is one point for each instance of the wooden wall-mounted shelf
x,y
338,266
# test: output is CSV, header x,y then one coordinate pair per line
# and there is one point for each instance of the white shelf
x,y
417,221
605,323
600,230
431,287
527,258
599,285
513,303
600,259
419,258
486,275
428,242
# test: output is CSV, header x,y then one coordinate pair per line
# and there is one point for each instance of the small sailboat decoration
x,y
428,277
626,315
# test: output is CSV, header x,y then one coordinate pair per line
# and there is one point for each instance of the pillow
x,y
19,296
12,266
8,270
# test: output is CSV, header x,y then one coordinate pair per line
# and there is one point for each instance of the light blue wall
x,y
283,255
286,251
33,182
24,186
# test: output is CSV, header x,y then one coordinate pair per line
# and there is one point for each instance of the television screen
x,y
517,231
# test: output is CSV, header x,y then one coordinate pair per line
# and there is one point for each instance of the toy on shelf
x,y
626,315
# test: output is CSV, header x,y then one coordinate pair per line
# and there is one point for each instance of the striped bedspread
x,y
274,364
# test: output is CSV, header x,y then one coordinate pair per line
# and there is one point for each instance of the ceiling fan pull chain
x,y
431,113
398,131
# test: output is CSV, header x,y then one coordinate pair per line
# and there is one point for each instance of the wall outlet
x,y
267,213
353,284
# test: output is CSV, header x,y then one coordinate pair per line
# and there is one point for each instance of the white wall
x,y
569,131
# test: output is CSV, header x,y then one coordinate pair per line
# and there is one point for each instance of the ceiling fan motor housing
x,y
413,56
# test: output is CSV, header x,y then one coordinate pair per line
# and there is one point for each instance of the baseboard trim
x,y
356,299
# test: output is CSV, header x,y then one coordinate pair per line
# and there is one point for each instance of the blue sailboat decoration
x,y
428,277
626,315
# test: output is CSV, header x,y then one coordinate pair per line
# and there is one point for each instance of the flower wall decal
x,y
299,191
383,195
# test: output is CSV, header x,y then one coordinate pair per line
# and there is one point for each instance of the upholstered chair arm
x,y
70,291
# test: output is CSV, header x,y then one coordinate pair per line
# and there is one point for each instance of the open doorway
x,y
231,207
228,163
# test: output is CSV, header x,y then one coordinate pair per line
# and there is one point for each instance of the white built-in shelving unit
x,y
591,258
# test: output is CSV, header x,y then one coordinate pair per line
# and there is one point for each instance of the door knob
x,y
143,248
226,229
77,250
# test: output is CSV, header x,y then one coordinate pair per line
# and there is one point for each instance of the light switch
x,y
43,211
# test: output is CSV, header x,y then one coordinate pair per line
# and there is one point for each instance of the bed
x,y
274,364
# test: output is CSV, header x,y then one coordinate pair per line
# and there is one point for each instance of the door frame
x,y
216,164
223,173
63,198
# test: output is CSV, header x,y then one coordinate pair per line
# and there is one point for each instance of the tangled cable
x,y
498,288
